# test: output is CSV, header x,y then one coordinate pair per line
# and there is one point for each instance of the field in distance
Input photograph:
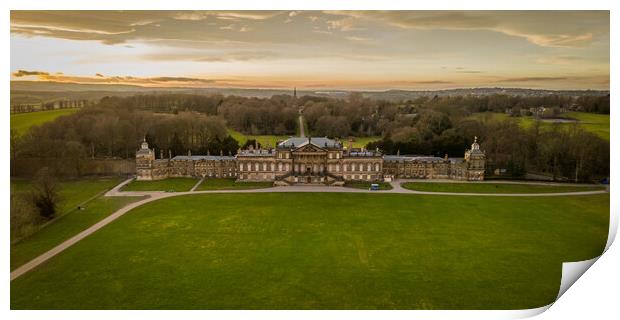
x,y
591,122
21,122
272,140
324,251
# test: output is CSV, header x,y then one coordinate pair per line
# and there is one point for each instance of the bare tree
x,y
45,194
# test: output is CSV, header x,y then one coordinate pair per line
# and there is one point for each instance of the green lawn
x,y
366,185
170,184
264,140
324,251
359,142
271,140
495,187
21,122
489,116
226,184
72,192
64,228
591,122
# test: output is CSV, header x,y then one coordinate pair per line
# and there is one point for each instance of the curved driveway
x,y
156,195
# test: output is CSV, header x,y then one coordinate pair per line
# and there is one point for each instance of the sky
x,y
320,50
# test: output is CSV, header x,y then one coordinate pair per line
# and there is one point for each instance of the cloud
x,y
469,71
115,27
101,79
346,24
560,60
430,82
532,79
25,73
179,79
360,39
222,56
543,28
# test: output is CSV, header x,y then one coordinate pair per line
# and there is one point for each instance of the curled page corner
x,y
571,271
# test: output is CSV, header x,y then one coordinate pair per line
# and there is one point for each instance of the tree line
x,y
561,151
178,123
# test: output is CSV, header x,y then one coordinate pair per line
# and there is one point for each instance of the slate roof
x,y
256,153
362,154
195,158
417,158
320,142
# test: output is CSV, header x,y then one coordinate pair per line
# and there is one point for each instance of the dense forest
x,y
178,123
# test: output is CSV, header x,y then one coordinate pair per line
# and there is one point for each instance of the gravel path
x,y
156,195
302,132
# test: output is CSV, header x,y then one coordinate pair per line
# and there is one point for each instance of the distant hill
x,y
63,86
54,89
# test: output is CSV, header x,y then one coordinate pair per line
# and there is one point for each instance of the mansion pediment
x,y
311,148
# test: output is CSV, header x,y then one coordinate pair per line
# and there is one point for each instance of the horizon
x,y
315,90
314,50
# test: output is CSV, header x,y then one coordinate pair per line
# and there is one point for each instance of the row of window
x,y
352,167
264,176
366,177
263,166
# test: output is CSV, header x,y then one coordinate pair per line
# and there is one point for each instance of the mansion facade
x,y
311,160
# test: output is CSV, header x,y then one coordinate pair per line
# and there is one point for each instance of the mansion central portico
x,y
309,161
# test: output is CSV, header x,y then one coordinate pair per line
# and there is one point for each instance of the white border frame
x,y
594,295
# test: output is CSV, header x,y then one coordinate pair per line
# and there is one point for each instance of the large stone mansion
x,y
311,160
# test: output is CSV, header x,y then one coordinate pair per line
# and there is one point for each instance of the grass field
x,y
264,140
366,185
170,184
229,184
21,122
64,228
270,140
72,192
595,123
359,142
324,251
591,122
496,187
